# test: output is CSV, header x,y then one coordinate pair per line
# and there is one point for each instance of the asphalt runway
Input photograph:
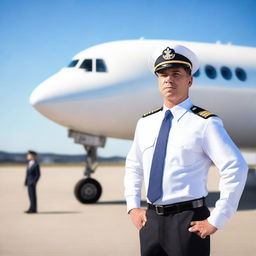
x,y
64,227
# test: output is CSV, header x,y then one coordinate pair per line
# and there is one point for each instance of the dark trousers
x,y
32,197
168,235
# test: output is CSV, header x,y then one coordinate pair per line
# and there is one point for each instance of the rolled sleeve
x,y
232,169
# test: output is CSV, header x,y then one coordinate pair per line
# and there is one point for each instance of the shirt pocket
x,y
148,145
184,155
147,148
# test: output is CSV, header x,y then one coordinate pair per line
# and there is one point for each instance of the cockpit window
x,y
100,65
72,63
87,65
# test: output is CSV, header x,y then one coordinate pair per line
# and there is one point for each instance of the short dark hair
x,y
32,152
188,70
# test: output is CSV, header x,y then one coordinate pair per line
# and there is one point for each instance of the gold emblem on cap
x,y
168,53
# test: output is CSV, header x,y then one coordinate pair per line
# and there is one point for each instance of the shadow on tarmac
x,y
119,202
247,201
248,198
58,212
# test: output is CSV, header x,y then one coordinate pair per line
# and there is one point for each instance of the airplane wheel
x,y
88,191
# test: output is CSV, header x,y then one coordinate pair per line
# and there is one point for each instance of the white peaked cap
x,y
180,51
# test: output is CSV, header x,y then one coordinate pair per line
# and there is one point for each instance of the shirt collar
x,y
179,110
31,162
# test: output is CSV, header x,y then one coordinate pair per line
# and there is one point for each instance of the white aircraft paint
x,y
110,103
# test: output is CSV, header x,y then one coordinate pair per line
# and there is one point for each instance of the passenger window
x,y
226,73
87,65
197,74
210,71
72,63
240,73
100,65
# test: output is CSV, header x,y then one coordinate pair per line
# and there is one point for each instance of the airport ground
x,y
64,227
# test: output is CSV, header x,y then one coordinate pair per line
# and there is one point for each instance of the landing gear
x,y
88,190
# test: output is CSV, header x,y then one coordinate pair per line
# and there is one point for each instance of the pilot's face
x,y
174,85
30,157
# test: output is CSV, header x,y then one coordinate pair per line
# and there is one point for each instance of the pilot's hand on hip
x,y
202,228
138,217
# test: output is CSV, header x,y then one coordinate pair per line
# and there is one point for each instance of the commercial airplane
x,y
106,88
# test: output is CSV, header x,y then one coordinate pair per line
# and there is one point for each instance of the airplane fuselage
x,y
107,101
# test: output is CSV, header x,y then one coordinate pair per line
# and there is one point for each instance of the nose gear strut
x,y
88,190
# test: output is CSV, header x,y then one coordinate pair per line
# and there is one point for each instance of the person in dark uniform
x,y
32,177
173,149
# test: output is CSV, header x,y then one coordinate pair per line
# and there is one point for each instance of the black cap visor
x,y
170,65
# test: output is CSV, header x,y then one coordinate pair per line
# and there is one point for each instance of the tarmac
x,y
65,227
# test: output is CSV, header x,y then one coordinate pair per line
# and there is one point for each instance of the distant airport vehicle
x,y
106,88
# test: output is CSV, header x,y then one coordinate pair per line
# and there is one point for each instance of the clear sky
x,y
38,38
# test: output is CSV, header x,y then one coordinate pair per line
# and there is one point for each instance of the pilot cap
x,y
176,56
32,152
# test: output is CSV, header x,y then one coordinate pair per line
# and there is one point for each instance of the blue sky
x,y
37,38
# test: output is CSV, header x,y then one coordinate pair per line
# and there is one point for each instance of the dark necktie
x,y
157,167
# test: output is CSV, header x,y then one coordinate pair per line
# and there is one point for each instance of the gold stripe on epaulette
x,y
201,112
152,112
205,113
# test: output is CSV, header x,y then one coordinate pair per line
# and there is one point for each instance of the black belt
x,y
178,207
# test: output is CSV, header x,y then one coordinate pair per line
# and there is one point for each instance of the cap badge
x,y
168,53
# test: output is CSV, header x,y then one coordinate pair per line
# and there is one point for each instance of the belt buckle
x,y
159,209
198,203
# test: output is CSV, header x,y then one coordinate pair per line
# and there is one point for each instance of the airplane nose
x,y
44,95
54,97
58,87
49,99
39,98
35,98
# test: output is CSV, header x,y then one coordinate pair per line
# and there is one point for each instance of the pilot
x,y
32,177
173,149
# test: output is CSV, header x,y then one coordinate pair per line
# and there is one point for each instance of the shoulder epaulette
x,y
201,112
152,112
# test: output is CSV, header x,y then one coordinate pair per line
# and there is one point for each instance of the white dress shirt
x,y
30,163
193,144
